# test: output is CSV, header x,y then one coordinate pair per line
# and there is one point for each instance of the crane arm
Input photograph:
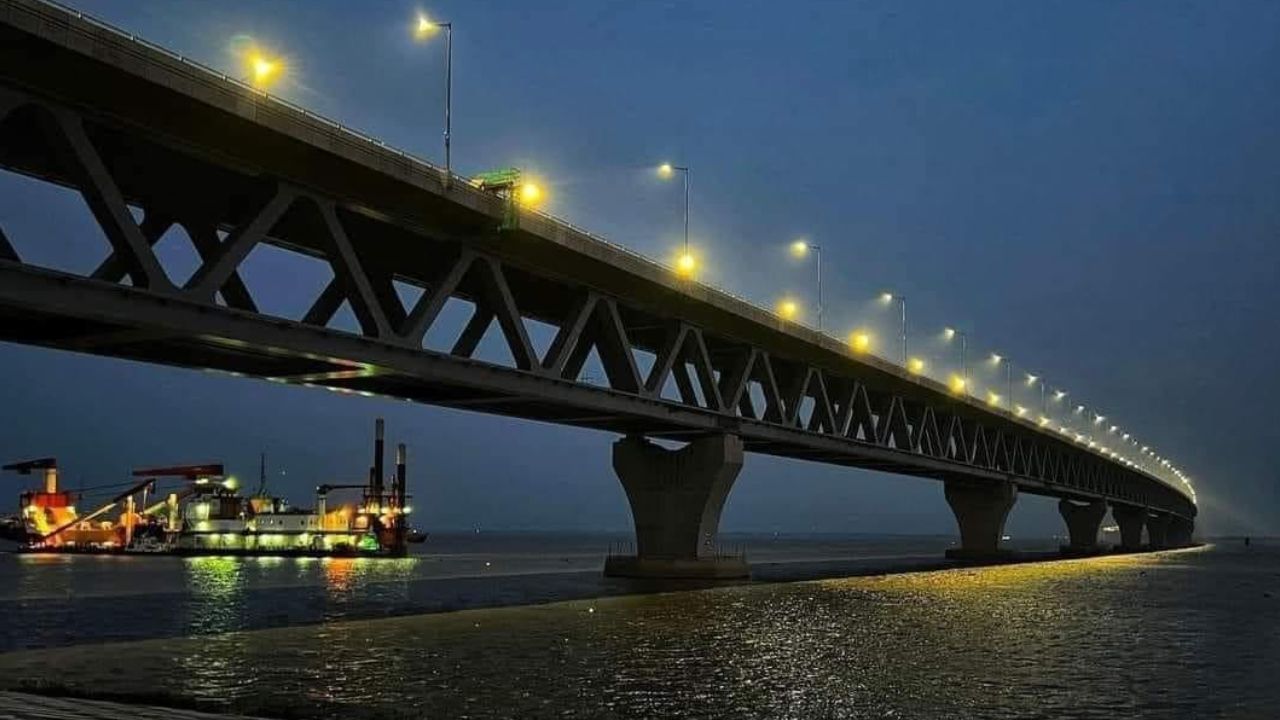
x,y
112,503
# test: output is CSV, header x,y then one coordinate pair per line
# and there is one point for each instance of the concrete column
x,y
1180,530
980,511
1130,518
1158,530
1083,521
676,497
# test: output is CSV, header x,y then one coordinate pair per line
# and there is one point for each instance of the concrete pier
x,y
676,497
980,510
1083,521
1179,533
1131,519
1158,530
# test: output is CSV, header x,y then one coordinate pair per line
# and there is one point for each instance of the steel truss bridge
x,y
130,125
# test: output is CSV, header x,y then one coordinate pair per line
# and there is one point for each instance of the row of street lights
x,y
961,384
860,341
263,70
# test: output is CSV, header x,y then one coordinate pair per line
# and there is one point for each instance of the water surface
x,y
1170,635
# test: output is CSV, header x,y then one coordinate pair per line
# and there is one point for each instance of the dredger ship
x,y
206,515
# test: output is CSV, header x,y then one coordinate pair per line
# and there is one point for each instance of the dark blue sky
x,y
1089,187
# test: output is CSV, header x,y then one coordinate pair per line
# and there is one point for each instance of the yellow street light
x,y
1019,410
996,358
425,27
1031,379
263,70
915,366
860,341
799,248
665,171
788,309
530,193
993,398
686,265
886,297
957,384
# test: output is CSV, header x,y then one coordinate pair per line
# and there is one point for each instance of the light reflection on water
x,y
1186,634
53,600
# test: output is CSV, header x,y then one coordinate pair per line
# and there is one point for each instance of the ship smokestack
x,y
378,456
402,520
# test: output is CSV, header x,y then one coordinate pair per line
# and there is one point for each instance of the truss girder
x,y
783,405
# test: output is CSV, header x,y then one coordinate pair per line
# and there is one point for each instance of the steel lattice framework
x,y
235,173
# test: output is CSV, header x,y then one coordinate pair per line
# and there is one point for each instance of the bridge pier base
x,y
1083,521
676,497
980,512
1158,530
1179,534
1130,518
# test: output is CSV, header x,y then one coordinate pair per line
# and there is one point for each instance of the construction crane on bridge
x,y
509,183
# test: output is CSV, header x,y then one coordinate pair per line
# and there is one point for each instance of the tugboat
x,y
205,515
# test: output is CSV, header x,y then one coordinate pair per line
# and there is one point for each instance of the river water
x,y
1192,633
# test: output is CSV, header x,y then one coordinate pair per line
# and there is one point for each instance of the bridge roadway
x,y
130,125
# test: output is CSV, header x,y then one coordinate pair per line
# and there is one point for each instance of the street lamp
x,y
424,30
887,298
799,249
666,171
996,359
1044,392
951,334
860,341
788,309
262,69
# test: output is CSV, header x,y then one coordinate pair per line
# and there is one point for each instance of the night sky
x,y
1090,188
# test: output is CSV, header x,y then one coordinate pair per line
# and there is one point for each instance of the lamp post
x,y
800,248
997,359
425,29
1044,398
950,334
665,171
889,297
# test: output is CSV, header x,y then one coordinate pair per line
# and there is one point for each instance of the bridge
x,y
153,141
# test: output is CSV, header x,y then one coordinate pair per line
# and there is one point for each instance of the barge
x,y
201,512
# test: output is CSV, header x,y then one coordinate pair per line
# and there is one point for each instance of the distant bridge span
x,y
128,124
